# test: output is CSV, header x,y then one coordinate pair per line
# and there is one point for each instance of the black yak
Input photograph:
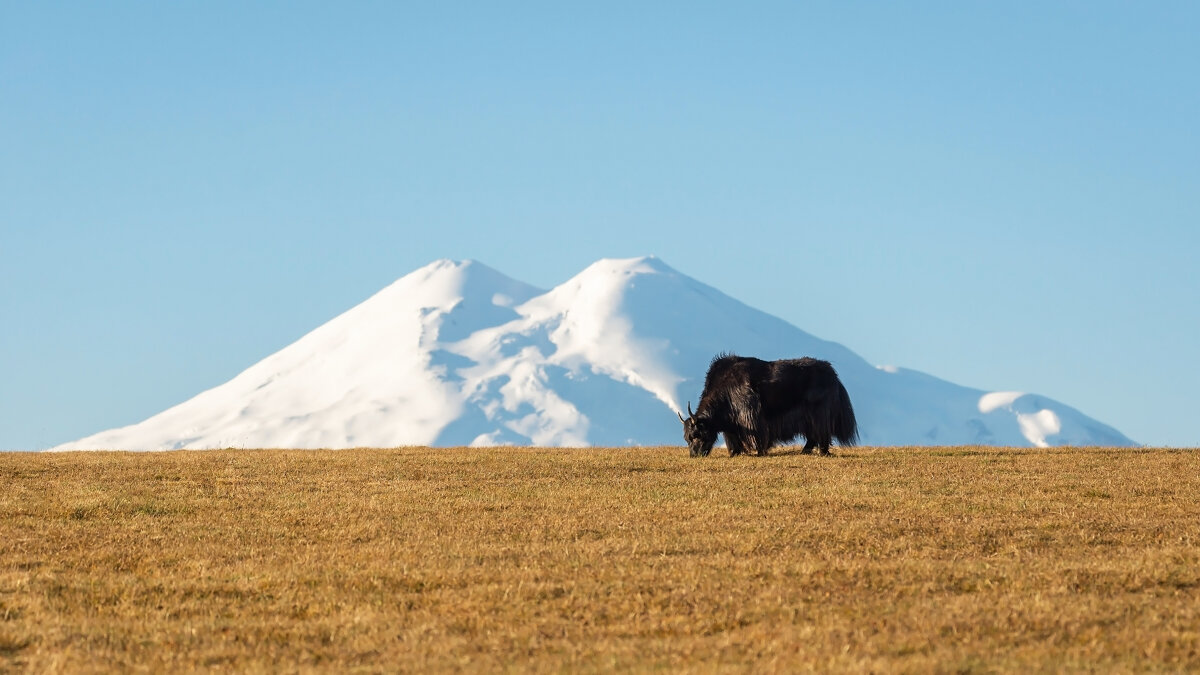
x,y
758,404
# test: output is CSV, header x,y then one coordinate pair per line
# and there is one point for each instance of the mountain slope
x,y
456,353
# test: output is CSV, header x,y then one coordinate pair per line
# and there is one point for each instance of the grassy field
x,y
879,559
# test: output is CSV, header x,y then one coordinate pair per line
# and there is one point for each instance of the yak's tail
x,y
845,427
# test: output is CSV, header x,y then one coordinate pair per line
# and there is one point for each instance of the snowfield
x,y
457,353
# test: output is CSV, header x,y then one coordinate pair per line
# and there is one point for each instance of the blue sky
x,y
1005,195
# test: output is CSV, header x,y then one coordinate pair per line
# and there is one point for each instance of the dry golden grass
x,y
889,559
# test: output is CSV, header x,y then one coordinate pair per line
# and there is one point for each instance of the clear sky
x,y
1004,195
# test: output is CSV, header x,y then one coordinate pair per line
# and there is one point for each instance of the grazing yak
x,y
758,404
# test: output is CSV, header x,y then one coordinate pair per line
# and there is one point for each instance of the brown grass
x,y
889,559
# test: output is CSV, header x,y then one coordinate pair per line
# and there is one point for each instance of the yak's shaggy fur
x,y
758,404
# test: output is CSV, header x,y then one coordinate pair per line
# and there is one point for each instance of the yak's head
x,y
699,433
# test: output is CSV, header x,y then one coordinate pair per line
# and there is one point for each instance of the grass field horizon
x,y
960,559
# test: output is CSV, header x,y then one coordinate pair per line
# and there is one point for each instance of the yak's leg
x,y
754,444
809,444
762,445
749,442
752,428
825,441
733,440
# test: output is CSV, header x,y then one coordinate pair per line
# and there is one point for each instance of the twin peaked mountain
x,y
456,353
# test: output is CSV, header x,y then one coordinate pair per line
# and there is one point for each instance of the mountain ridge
x,y
457,353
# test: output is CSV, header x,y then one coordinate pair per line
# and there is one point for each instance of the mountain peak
x,y
445,282
439,266
647,264
603,287
446,268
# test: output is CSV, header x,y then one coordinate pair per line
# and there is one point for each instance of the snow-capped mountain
x,y
457,353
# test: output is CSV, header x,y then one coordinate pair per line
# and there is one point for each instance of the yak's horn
x,y
677,413
690,413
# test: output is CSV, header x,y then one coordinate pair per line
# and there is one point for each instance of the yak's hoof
x,y
806,451
826,453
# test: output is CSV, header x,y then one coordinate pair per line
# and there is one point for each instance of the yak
x,y
758,404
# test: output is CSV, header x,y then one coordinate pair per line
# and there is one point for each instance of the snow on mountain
x,y
456,353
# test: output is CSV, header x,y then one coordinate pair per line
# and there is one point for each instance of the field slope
x,y
884,559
